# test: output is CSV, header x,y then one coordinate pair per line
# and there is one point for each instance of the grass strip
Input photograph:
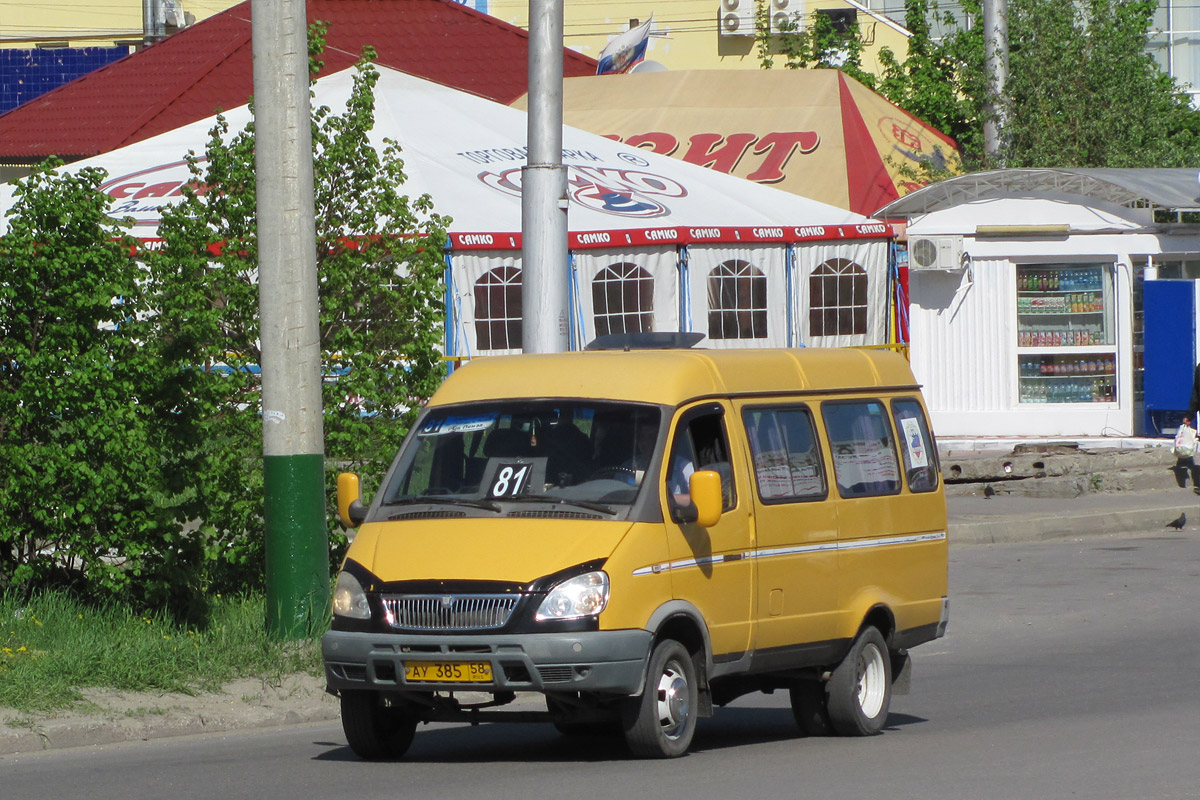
x,y
52,646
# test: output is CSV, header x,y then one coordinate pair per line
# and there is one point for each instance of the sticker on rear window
x,y
915,442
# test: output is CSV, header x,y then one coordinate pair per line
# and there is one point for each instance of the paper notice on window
x,y
774,478
918,453
864,461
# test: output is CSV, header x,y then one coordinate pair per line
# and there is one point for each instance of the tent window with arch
x,y
498,309
623,299
838,299
737,301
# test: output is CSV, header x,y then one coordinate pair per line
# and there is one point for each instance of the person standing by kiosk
x,y
1185,440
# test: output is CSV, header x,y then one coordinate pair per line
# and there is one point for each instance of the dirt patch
x,y
108,716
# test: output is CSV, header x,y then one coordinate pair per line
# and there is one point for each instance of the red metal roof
x,y
208,67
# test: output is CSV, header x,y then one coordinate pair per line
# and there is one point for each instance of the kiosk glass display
x,y
1066,349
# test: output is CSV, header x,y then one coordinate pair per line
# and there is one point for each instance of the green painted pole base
x,y
297,545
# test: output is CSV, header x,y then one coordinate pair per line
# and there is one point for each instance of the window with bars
x,y
498,309
623,300
837,292
737,301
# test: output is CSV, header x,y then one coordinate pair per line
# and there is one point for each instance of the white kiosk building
x,y
1054,302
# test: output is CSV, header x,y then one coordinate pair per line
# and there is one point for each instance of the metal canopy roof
x,y
1132,188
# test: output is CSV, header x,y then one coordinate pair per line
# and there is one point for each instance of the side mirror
x,y
707,497
706,500
351,511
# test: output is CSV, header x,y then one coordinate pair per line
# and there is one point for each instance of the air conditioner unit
x,y
736,17
787,11
935,253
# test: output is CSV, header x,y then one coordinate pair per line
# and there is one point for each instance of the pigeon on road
x,y
1178,524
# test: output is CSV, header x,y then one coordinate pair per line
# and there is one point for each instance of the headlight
x,y
349,599
581,596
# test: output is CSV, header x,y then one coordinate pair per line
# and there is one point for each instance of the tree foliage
x,y
91,448
820,44
130,415
379,265
941,82
1081,90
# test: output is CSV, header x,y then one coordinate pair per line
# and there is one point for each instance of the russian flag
x,y
624,51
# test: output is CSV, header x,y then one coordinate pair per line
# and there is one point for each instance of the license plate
x,y
448,671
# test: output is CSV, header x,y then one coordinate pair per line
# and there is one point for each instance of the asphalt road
x,y
1070,671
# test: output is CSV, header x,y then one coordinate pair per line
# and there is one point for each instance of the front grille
x,y
449,612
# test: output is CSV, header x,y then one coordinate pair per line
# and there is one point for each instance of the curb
x,y
50,734
1041,527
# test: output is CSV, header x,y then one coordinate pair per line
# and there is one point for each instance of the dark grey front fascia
x,y
591,661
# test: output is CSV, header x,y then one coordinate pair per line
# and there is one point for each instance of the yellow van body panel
x,y
509,549
637,588
672,377
796,599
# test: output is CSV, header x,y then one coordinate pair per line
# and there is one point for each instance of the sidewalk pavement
x,y
977,519
115,717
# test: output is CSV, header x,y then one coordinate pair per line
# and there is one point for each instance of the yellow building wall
x,y
686,33
85,23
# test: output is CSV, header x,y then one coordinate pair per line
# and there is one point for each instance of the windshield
x,y
578,452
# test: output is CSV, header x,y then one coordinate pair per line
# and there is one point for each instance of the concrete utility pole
x,y
995,49
297,543
544,189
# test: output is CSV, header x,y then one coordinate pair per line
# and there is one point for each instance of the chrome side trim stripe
x,y
773,552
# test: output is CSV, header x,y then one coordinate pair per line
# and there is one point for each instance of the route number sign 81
x,y
510,480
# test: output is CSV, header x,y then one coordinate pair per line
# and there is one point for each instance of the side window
x,y
864,455
917,446
787,458
700,443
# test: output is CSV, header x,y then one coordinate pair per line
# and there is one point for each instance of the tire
x,y
860,689
582,729
810,708
375,733
661,722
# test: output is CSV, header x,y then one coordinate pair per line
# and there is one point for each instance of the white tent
x,y
656,243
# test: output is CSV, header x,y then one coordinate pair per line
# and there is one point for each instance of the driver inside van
x,y
644,439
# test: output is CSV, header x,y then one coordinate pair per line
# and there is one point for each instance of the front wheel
x,y
373,731
661,722
810,708
860,689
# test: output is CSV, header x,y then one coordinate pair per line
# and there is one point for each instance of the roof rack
x,y
646,341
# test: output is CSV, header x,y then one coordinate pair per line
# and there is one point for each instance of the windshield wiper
x,y
541,498
440,500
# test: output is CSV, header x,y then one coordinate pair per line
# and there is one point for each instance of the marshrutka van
x,y
623,540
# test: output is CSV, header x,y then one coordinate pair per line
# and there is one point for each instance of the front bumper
x,y
592,661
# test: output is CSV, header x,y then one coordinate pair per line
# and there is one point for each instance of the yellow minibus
x,y
636,536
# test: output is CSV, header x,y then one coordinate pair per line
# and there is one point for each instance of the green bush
x,y
88,447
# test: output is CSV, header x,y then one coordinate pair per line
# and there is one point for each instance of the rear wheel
x,y
375,732
860,689
661,722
